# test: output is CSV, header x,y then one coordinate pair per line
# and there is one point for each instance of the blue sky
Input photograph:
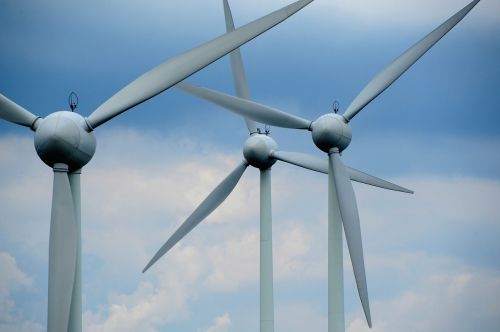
x,y
432,258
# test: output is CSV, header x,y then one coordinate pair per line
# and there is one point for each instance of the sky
x,y
432,258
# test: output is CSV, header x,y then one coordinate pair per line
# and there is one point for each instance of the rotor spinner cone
x,y
62,137
257,151
331,131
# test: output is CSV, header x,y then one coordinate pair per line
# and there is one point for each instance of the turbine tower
x,y
331,133
65,141
260,151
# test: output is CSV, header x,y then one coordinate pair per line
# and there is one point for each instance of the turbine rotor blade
x,y
266,254
336,313
12,112
321,166
237,68
75,317
213,200
177,69
392,72
302,160
352,229
371,180
247,108
62,252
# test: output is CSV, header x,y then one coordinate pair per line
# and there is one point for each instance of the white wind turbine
x,y
260,151
65,142
331,133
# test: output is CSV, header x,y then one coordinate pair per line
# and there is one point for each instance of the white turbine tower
x,y
65,142
332,134
260,151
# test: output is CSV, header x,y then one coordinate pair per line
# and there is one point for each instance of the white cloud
x,y
135,194
439,206
152,303
26,182
12,279
234,262
443,301
292,246
221,324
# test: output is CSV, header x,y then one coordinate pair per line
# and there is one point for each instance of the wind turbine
x,y
331,133
259,151
65,142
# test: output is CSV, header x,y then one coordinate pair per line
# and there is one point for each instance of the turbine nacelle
x,y
331,131
62,137
257,151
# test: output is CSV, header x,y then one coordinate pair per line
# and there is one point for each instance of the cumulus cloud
x,y
151,304
221,324
12,279
457,300
439,206
135,195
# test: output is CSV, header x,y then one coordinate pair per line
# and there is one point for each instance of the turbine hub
x,y
62,138
257,151
331,131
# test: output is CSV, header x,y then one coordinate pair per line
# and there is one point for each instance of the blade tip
x,y
369,318
408,191
147,266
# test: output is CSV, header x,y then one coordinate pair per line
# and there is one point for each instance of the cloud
x,y
442,294
221,324
235,262
135,195
295,317
12,279
156,301
457,300
440,206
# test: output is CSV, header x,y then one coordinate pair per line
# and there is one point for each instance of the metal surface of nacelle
x,y
62,138
257,151
331,131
